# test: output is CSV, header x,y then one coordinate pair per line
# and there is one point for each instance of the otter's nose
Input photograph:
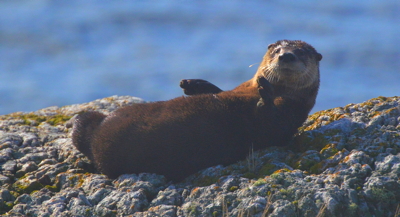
x,y
287,57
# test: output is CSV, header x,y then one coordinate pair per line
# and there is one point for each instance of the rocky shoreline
x,y
344,162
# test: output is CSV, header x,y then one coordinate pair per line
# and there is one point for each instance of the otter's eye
x,y
277,51
300,52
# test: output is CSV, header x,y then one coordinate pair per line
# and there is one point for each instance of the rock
x,y
6,154
344,162
149,183
98,195
169,196
27,167
124,203
40,196
54,206
27,185
23,199
11,139
161,210
283,208
5,195
93,182
10,166
35,157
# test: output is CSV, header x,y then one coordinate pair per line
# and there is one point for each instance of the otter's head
x,y
293,64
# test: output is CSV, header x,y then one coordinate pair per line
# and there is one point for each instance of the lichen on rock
x,y
344,162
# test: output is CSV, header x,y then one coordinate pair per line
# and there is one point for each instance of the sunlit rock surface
x,y
344,162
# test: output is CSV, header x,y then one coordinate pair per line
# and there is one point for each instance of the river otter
x,y
181,136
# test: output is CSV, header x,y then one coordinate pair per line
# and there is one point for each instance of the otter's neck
x,y
246,87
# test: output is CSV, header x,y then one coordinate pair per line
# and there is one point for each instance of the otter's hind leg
x,y
84,126
198,86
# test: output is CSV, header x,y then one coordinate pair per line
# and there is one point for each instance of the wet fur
x,y
181,136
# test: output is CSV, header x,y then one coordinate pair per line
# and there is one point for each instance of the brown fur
x,y
178,137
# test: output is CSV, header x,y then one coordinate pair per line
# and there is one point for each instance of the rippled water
x,y
67,52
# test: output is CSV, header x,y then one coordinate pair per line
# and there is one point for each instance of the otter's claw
x,y
198,86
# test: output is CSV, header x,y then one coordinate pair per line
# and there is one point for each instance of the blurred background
x,y
68,52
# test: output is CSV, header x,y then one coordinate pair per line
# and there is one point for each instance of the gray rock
x,y
98,195
10,166
307,206
28,167
35,157
55,206
94,182
344,162
169,196
150,184
161,210
50,161
386,164
66,180
10,138
283,208
6,154
40,196
27,184
6,195
24,199
18,210
124,202
30,139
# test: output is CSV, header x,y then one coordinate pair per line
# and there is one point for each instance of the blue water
x,y
67,52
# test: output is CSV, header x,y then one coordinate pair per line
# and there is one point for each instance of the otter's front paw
x,y
198,86
266,92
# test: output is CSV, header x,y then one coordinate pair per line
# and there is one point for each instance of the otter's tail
x,y
84,126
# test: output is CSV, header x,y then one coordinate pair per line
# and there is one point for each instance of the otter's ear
x,y
319,57
270,45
